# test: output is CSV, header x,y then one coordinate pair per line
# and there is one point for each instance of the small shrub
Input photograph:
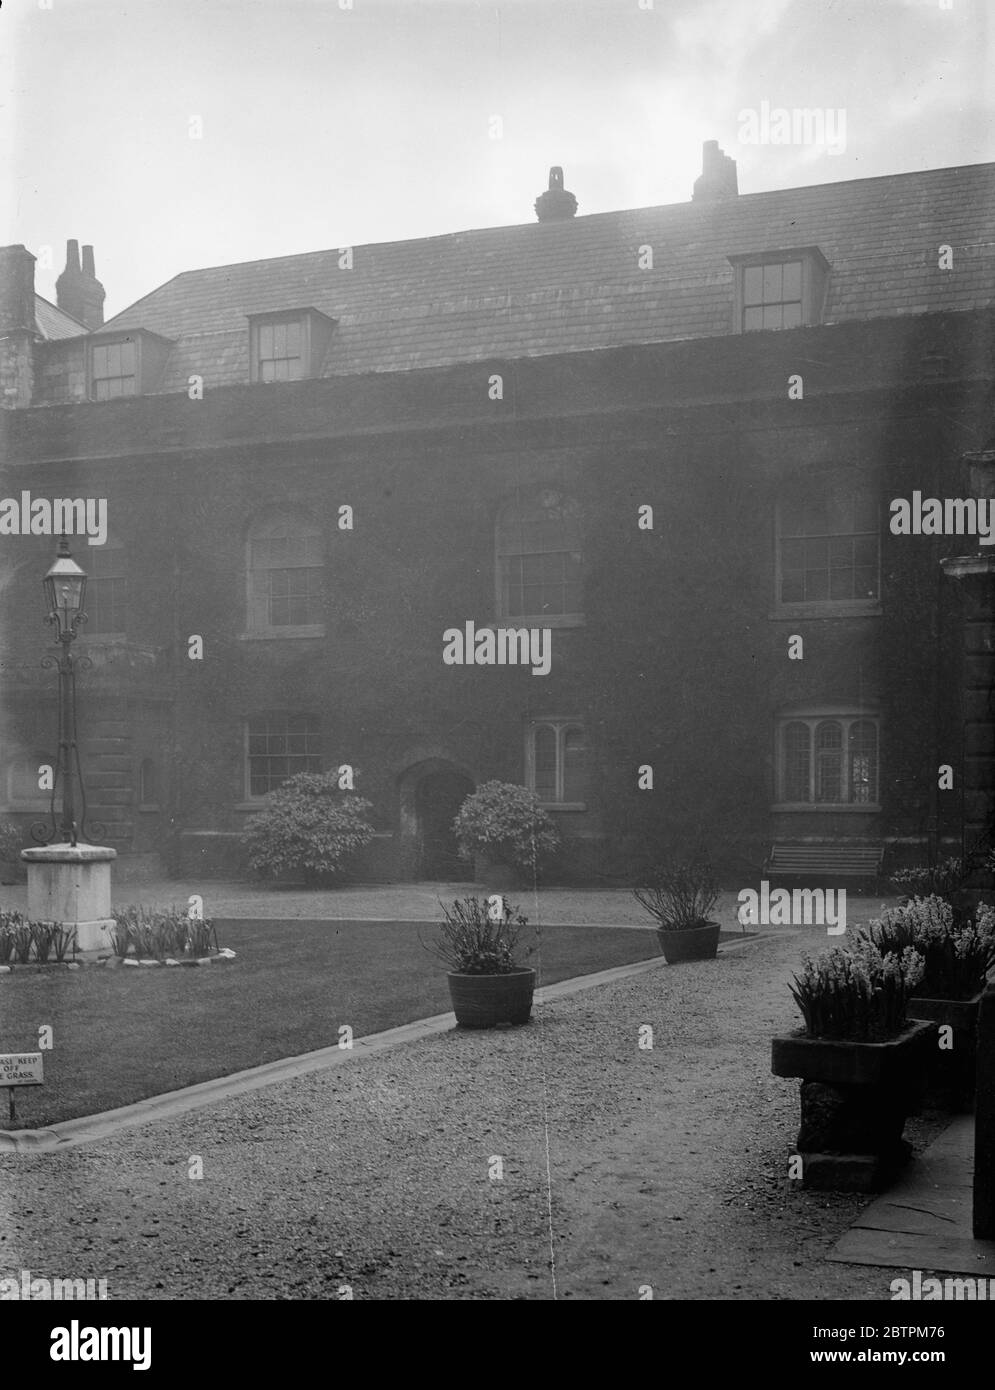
x,y
858,994
681,896
51,939
473,942
308,827
197,938
957,953
10,840
505,822
23,939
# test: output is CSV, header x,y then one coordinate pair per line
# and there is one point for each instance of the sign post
x,y
19,1069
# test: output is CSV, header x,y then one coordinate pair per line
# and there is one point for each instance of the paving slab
x,y
924,1221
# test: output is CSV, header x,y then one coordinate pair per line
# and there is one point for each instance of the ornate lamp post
x,y
65,589
69,882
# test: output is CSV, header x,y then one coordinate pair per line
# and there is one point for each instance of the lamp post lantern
x,y
65,590
69,883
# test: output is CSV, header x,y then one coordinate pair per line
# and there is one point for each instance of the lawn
x,y
121,1035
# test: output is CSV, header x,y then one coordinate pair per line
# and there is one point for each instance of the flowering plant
x,y
856,994
681,895
940,880
957,953
478,936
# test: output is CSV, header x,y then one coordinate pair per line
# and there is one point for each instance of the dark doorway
x,y
438,796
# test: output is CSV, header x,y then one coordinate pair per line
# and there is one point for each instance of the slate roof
x,y
575,285
52,322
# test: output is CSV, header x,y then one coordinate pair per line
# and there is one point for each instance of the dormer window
x,y
779,289
288,346
124,364
115,369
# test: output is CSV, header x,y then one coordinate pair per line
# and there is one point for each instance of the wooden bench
x,y
828,860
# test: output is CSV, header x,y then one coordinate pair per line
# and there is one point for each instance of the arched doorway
x,y
431,792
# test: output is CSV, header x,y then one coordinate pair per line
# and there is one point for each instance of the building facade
x,y
669,439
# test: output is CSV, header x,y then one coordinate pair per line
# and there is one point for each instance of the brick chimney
x,y
718,175
17,326
77,290
556,204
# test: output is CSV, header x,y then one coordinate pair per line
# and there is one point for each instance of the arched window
x,y
106,590
556,759
285,570
827,762
539,558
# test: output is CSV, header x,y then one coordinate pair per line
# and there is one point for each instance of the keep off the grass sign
x,y
20,1069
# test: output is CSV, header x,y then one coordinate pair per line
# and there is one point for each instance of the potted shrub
x,y
307,827
10,852
681,898
958,952
477,942
505,830
860,1060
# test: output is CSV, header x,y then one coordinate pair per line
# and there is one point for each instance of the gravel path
x,y
668,1167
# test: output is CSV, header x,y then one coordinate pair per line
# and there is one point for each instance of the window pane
x,y
797,757
539,557
280,746
544,762
753,284
791,315
863,761
752,319
792,282
574,765
829,762
772,284
772,316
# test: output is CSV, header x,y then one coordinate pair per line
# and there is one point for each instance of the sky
x,y
175,134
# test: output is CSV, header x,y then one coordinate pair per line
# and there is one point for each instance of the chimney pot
x,y
77,290
557,204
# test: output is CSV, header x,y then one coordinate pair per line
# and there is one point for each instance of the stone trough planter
x,y
689,943
855,1097
950,1071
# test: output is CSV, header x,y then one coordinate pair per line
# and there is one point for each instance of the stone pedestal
x,y
71,884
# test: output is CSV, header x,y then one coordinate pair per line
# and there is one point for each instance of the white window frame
x,y
561,724
827,607
86,631
812,716
575,619
255,605
256,799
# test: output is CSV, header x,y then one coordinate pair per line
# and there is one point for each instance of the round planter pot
x,y
484,1001
692,943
